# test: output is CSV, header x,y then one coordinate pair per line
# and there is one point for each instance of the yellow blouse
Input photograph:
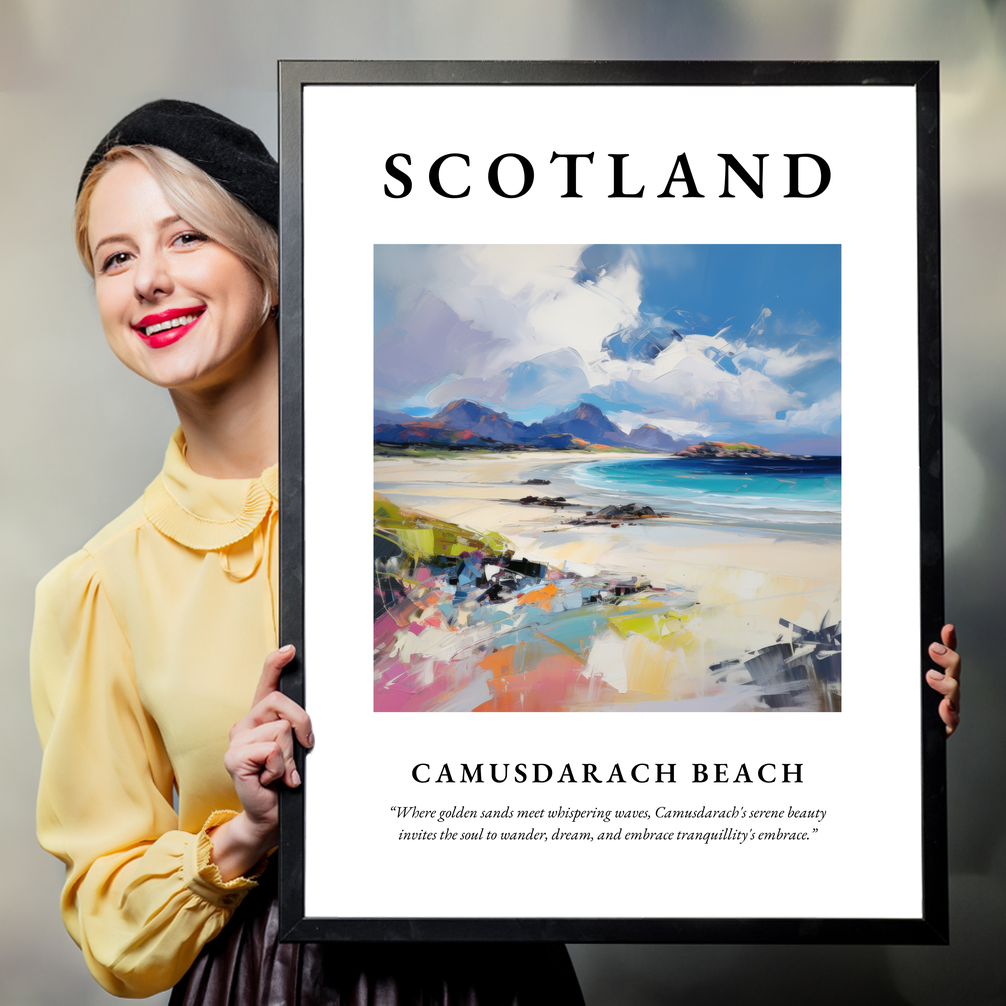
x,y
147,647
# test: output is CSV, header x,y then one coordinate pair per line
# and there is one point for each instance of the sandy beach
x,y
481,492
739,581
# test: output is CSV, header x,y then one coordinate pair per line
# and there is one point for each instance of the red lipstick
x,y
166,327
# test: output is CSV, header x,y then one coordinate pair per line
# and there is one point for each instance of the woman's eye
x,y
114,261
190,238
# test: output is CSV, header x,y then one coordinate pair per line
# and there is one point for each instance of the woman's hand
x,y
260,753
947,682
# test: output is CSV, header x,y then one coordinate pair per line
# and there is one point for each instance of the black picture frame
x,y
932,926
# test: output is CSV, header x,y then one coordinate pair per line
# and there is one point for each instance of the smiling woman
x,y
157,279
149,643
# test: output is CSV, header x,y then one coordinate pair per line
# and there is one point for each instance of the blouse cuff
x,y
202,876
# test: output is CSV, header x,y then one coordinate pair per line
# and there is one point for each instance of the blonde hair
x,y
199,200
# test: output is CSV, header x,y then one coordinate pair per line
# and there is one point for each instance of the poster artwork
x,y
652,356
607,478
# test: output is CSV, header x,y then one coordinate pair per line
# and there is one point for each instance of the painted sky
x,y
719,342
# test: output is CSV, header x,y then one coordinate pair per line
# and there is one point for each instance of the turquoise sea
x,y
732,490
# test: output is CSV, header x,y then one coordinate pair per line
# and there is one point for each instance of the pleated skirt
x,y
246,965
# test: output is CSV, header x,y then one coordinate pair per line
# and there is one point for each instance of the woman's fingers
x,y
261,743
949,709
260,761
271,671
270,703
949,688
274,766
278,736
277,706
949,636
946,681
261,749
948,660
950,716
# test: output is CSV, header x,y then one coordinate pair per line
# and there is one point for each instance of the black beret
x,y
230,154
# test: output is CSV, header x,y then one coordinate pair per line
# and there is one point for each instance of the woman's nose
x,y
152,277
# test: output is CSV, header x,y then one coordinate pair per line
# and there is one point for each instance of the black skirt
x,y
246,965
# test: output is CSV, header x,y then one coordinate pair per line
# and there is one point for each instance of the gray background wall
x,y
82,436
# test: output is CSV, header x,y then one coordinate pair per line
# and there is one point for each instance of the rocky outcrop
x,y
719,449
617,514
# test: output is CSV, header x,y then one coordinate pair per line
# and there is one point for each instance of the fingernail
x,y
938,648
287,649
936,676
310,740
295,777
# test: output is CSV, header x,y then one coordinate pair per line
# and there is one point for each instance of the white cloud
x,y
529,299
547,322
687,379
683,429
778,362
822,416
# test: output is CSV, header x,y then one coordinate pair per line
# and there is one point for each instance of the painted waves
x,y
763,491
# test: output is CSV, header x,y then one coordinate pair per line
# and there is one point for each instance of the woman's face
x,y
177,308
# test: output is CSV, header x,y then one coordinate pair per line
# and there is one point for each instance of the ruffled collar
x,y
203,513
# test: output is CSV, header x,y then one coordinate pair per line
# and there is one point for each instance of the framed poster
x,y
633,369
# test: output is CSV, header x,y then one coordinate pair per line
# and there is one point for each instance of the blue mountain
x,y
469,424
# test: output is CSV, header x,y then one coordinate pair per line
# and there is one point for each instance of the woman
x,y
148,643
